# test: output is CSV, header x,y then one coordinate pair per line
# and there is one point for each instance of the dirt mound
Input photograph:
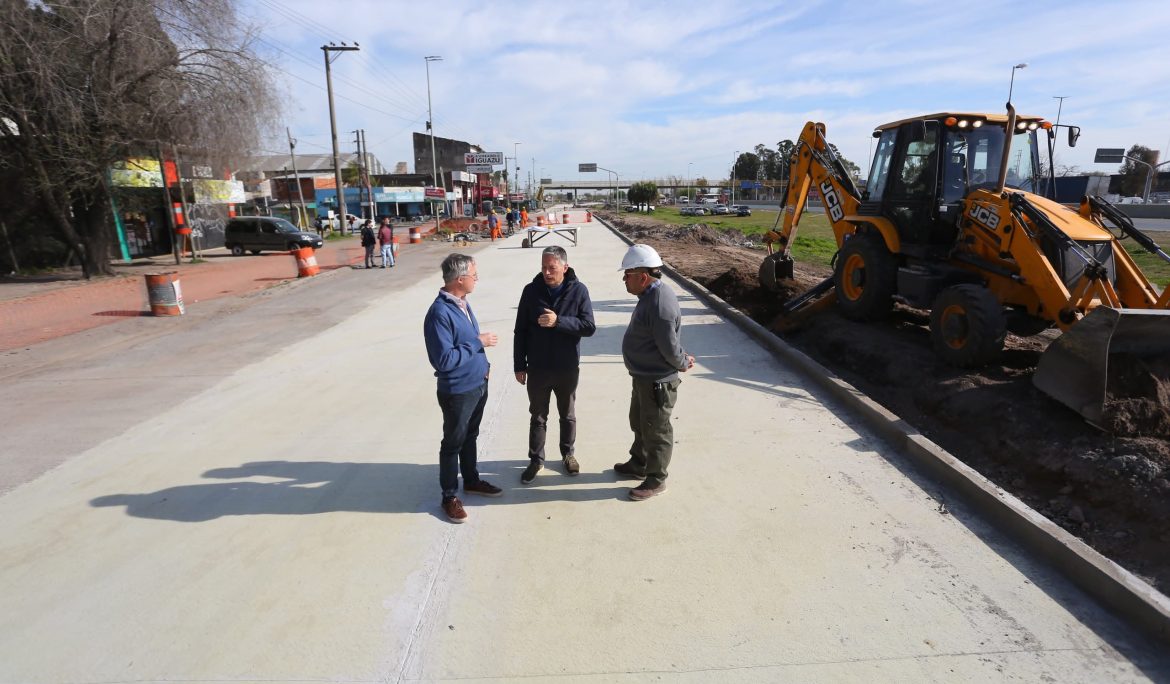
x,y
1137,400
1111,490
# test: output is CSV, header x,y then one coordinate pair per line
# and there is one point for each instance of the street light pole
x,y
303,218
431,128
333,125
689,164
1011,85
516,171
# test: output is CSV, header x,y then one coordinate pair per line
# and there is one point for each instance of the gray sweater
x,y
651,346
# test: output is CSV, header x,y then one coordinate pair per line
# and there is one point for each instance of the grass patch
x,y
1156,270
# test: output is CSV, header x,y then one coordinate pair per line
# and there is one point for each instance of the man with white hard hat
x,y
654,356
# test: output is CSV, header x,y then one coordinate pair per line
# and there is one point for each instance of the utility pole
x,y
333,124
292,146
369,183
431,128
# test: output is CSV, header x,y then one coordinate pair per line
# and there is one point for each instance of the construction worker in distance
x,y
524,217
493,222
653,353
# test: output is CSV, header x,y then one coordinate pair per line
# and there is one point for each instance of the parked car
x,y
260,233
742,210
720,210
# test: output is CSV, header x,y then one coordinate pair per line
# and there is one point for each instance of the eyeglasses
x,y
473,276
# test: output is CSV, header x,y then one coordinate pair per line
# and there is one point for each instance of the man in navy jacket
x,y
553,315
457,351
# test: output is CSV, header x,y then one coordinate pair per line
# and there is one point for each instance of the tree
x,y
747,167
1133,175
87,83
642,193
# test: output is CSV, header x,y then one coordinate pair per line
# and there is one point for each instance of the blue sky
x,y
655,89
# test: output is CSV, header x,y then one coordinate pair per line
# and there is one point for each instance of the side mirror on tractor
x,y
1074,132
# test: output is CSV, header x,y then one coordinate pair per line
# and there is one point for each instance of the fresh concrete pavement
x,y
280,522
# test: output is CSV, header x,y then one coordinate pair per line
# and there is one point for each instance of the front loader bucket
x,y
1109,356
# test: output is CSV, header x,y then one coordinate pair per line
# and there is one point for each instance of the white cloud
x,y
648,87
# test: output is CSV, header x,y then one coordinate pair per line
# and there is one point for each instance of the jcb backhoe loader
x,y
951,220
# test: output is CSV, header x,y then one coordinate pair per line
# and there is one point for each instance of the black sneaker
x,y
530,472
628,471
483,488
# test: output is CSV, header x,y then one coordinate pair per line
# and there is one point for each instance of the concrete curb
x,y
1112,585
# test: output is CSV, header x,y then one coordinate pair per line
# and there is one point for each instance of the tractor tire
x,y
967,326
866,278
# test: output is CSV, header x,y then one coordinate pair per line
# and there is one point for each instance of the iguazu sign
x,y
496,158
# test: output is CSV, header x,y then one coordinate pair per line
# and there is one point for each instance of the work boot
x,y
571,465
530,472
647,490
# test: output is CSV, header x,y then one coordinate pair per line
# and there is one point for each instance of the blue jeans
x,y
388,254
457,453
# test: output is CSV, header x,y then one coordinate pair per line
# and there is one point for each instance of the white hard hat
x,y
640,256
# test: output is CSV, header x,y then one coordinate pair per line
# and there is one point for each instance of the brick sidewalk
x,y
55,309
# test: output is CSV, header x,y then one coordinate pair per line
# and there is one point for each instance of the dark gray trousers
x,y
653,433
541,384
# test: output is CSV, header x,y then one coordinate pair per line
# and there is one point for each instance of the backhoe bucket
x,y
1109,356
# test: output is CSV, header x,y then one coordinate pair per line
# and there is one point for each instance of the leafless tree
x,y
86,83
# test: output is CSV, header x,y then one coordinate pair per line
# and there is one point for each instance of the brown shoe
x,y
647,491
571,465
483,488
627,470
453,507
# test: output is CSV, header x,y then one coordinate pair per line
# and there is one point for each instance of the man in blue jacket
x,y
553,315
457,351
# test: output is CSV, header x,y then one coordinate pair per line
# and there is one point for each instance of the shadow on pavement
x,y
127,314
315,487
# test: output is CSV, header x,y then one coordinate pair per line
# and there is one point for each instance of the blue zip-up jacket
x,y
453,347
558,347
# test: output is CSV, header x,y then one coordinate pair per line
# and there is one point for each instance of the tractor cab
x,y
924,167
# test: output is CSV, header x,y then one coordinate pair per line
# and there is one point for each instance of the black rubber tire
x,y
237,250
967,326
866,278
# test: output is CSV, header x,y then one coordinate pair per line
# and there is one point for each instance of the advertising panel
x,y
137,173
496,158
479,168
398,194
586,168
434,193
218,191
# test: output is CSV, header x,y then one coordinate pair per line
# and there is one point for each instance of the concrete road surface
x,y
274,516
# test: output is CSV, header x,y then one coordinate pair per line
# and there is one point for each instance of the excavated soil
x,y
1111,489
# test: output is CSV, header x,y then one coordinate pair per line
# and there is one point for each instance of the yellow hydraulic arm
x,y
813,162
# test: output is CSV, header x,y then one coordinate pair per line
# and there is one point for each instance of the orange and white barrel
x,y
415,235
162,289
565,218
540,220
306,262
588,217
394,247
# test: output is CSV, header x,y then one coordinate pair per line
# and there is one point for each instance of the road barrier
x,y
415,235
394,247
565,217
588,217
162,289
306,262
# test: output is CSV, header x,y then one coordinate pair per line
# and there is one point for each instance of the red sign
x,y
434,193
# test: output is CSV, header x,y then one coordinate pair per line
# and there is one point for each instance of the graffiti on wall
x,y
207,223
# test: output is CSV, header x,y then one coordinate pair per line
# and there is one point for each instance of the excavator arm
x,y
813,164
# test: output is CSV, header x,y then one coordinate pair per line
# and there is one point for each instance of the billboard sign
x,y
435,193
479,168
1109,155
546,181
586,168
137,173
496,158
